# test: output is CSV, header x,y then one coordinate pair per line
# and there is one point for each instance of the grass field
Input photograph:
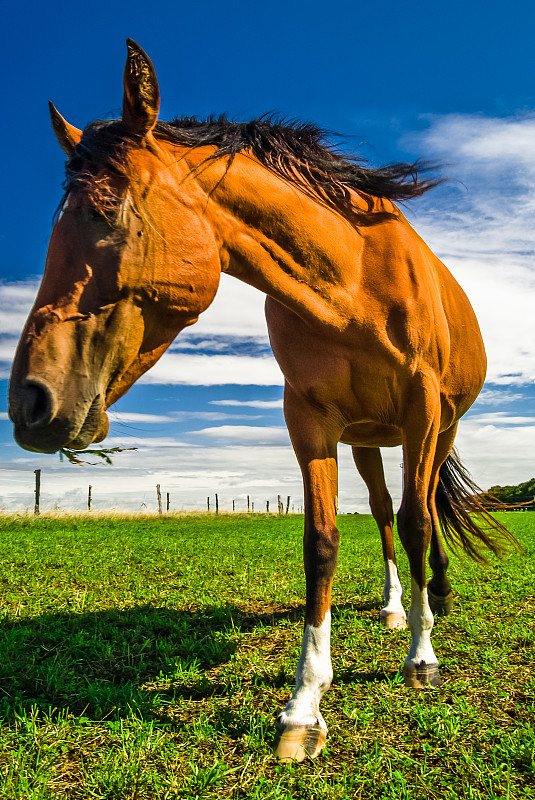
x,y
148,658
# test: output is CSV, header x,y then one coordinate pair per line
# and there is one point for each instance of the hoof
x,y
421,676
295,744
439,605
393,619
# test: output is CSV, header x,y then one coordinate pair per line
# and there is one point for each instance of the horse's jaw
x,y
94,429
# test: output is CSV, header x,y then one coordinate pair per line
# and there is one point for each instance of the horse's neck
x,y
289,246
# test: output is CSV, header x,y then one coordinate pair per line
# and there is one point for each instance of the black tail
x,y
457,499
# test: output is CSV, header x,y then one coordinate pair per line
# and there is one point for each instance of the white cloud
x,y
493,397
481,225
501,293
500,418
264,404
186,341
201,370
245,434
497,453
497,142
238,310
16,300
7,349
175,416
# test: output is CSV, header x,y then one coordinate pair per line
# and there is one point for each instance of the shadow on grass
x,y
109,663
355,676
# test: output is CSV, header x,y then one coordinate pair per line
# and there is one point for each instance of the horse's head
x,y
131,262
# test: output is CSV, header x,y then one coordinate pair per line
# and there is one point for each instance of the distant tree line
x,y
514,495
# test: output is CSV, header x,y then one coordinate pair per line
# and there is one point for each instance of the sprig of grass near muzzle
x,y
104,453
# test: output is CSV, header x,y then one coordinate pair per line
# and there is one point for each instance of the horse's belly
x,y
371,434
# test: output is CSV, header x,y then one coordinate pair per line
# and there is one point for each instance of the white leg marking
x,y
392,592
313,677
420,624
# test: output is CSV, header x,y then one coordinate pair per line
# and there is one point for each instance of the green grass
x,y
148,658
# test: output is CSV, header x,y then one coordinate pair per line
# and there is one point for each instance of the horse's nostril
x,y
38,405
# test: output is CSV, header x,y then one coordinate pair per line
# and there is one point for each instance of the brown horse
x,y
378,344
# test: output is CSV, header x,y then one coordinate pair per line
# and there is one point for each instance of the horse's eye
x,y
94,213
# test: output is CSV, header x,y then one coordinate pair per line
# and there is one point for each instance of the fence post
x,y
208,503
167,504
89,498
233,505
247,503
288,504
216,504
252,508
159,498
37,490
267,506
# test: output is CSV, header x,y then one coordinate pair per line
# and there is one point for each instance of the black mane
x,y
300,152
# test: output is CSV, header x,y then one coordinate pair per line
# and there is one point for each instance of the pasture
x,y
147,657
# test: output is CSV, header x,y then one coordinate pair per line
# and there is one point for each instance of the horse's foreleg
x,y
370,466
415,525
301,729
439,588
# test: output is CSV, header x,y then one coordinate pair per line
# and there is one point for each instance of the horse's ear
x,y
67,135
141,99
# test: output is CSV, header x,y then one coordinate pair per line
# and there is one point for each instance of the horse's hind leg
x,y
301,730
439,588
370,466
420,433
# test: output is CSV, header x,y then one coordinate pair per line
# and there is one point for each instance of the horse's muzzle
x,y
41,426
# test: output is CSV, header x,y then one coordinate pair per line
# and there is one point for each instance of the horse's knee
x,y
439,587
438,560
382,509
414,528
321,551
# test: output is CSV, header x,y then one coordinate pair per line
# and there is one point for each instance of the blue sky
x,y
453,83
